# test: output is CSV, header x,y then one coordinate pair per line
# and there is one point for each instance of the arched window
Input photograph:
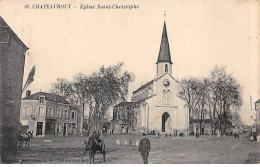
x,y
166,97
166,67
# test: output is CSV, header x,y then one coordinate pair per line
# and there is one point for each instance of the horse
x,y
92,147
24,138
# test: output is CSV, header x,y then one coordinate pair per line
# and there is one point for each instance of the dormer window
x,y
42,99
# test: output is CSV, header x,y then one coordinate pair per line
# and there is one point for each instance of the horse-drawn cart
x,y
93,146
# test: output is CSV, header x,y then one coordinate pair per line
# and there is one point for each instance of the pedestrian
x,y
144,148
170,135
166,135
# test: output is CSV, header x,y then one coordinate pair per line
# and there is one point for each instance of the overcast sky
x,y
201,33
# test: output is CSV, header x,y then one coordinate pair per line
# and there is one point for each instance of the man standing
x,y
144,148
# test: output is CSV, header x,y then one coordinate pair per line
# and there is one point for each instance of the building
x,y
123,118
257,110
74,120
156,105
48,114
12,58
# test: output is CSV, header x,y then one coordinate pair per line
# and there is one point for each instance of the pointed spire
x,y
164,53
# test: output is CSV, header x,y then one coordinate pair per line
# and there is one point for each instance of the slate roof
x,y
144,86
258,101
164,53
48,97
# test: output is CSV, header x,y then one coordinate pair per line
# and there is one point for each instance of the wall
x,y
12,57
47,105
161,69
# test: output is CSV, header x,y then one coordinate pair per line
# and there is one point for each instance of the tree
x,y
225,95
64,88
82,90
108,86
189,93
202,96
99,91
217,96
29,79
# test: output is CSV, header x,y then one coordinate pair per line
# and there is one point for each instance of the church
x,y
155,105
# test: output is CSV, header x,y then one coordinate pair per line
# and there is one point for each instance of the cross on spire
x,y
164,15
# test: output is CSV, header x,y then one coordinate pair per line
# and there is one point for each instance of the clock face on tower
x,y
166,82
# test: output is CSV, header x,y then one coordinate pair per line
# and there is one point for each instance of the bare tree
x,y
189,93
64,88
82,90
225,95
217,96
202,98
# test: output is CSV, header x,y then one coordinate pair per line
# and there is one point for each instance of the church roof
x,y
164,53
144,86
150,83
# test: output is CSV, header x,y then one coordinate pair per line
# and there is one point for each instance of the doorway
x,y
39,128
165,116
64,129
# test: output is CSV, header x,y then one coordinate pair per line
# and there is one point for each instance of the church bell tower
x,y
164,63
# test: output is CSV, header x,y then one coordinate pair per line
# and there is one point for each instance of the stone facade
x,y
123,118
12,58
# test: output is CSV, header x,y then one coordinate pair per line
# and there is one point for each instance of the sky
x,y
201,33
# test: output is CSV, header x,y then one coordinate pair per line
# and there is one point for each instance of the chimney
x,y
28,93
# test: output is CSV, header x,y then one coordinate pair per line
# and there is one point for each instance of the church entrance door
x,y
165,116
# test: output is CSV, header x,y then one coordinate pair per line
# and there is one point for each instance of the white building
x,y
156,103
48,114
